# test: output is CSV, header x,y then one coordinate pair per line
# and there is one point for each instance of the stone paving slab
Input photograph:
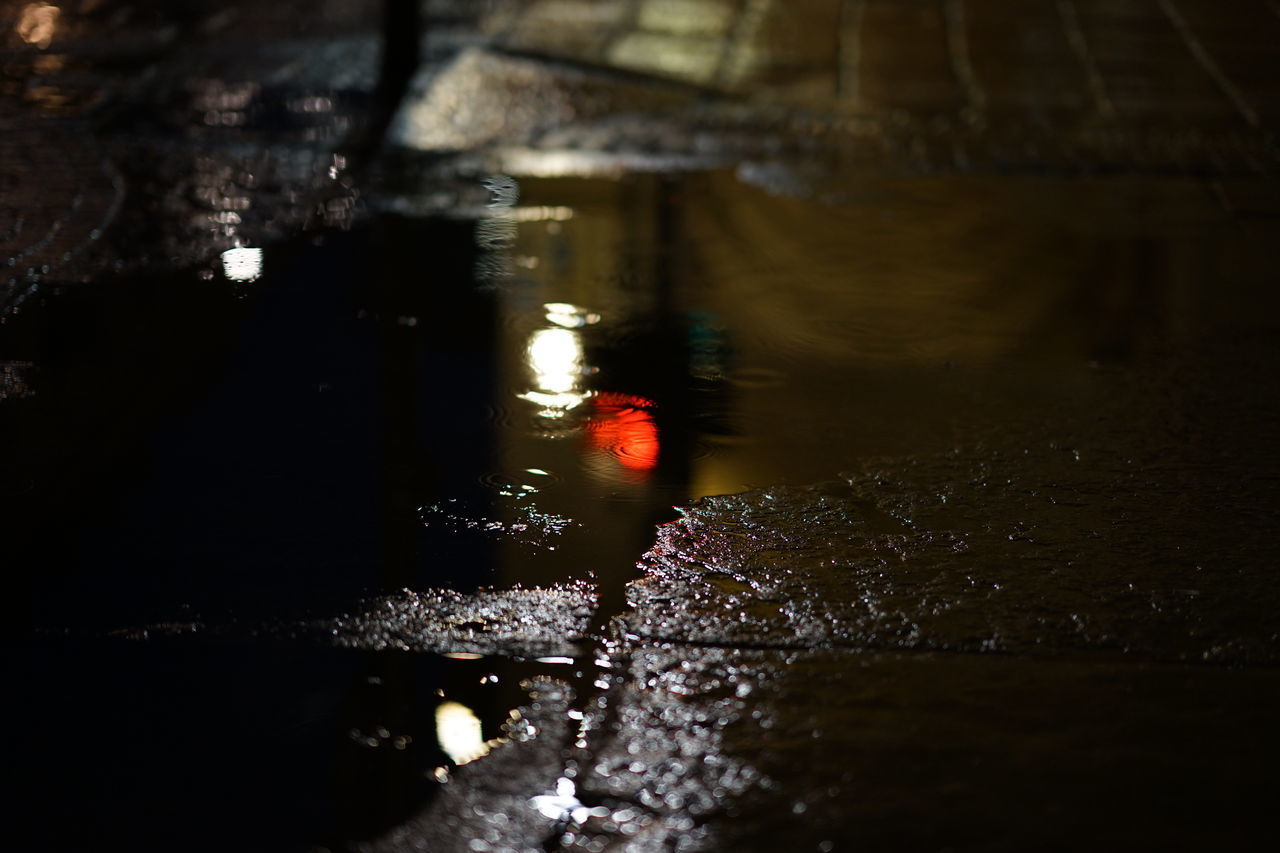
x,y
696,748
927,87
1138,521
974,553
835,750
545,119
1176,61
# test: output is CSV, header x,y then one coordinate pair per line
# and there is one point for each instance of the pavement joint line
x,y
1115,659
1080,47
1207,63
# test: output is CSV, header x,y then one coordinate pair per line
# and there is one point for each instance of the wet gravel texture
x,y
521,622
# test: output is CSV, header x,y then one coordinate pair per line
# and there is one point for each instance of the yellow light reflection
x,y
36,24
555,358
542,214
682,57
686,17
459,734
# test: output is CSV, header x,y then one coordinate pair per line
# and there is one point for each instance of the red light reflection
x,y
622,426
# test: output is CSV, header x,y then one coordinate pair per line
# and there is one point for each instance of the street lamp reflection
x,y
570,316
555,358
37,23
242,264
458,731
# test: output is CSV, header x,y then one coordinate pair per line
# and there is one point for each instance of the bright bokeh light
x,y
458,731
37,23
243,264
563,804
570,316
555,358
621,425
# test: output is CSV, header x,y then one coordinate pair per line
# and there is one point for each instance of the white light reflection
x,y
555,355
564,805
570,316
459,734
558,163
37,23
242,264
555,358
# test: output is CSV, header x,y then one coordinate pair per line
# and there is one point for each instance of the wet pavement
x,y
698,425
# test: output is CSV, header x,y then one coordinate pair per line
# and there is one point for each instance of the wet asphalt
x,y
647,425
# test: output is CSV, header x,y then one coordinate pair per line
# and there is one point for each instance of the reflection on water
x,y
570,316
459,734
646,340
37,24
556,362
242,264
521,520
686,40
622,426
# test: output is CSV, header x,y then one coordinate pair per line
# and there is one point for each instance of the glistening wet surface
x,y
703,425
956,414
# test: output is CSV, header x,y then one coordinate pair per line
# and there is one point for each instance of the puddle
x,y
706,425
461,430
293,746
